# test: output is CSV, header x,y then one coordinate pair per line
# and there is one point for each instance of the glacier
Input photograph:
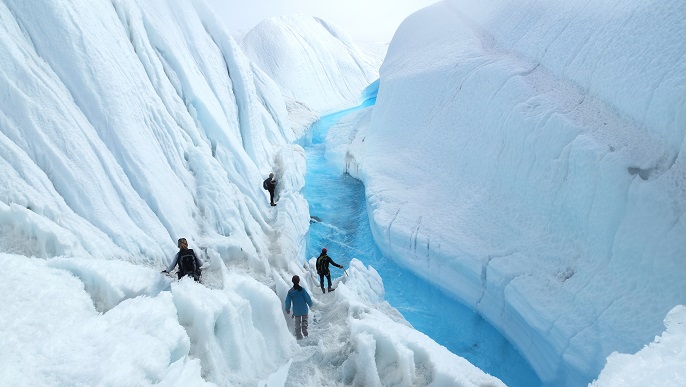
x,y
126,125
552,131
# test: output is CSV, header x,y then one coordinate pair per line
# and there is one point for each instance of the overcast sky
x,y
364,20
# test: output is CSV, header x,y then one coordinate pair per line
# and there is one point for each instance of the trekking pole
x,y
346,273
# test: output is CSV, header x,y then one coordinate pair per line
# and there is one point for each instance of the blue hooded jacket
x,y
300,299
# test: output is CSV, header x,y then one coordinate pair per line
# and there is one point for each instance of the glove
x,y
163,271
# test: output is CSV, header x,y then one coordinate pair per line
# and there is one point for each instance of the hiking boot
x,y
323,291
331,289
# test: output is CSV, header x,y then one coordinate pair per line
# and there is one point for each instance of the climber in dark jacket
x,y
300,300
270,185
189,263
323,262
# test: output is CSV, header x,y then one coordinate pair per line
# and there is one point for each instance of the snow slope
x,y
528,157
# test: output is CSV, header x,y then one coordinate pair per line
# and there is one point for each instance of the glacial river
x,y
337,202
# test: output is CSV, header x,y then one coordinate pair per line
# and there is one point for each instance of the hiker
x,y
270,185
300,300
323,262
189,263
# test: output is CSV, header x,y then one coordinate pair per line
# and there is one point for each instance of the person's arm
x,y
334,263
173,264
288,303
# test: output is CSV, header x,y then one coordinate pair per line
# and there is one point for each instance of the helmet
x,y
324,250
295,279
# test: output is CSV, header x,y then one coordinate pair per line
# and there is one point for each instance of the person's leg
x,y
271,196
304,325
298,327
179,274
328,280
321,282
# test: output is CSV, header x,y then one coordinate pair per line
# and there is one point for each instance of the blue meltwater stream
x,y
337,205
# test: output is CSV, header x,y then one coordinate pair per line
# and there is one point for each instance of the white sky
x,y
364,20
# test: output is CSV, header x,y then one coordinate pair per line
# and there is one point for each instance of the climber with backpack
x,y
322,265
189,263
270,185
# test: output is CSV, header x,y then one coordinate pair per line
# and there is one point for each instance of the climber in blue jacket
x,y
300,300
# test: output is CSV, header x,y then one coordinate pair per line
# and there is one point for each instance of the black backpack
x,y
187,261
322,264
265,185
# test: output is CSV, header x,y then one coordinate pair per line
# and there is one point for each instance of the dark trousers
x,y
321,280
271,196
196,275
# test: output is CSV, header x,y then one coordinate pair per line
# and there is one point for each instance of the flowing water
x,y
340,223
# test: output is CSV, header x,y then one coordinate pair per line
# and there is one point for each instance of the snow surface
x,y
660,363
528,157
127,124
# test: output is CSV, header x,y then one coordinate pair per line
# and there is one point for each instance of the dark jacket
x,y
198,262
300,300
323,262
269,184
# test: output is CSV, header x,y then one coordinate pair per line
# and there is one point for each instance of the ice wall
x,y
125,122
125,125
312,61
527,157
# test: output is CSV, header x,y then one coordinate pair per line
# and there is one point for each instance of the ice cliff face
x,y
125,125
117,136
528,157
